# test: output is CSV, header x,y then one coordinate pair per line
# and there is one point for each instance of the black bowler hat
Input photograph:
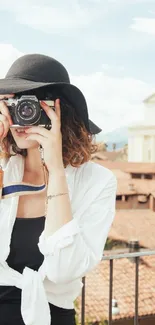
x,y
33,71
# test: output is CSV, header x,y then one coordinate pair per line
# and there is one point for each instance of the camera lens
x,y
28,112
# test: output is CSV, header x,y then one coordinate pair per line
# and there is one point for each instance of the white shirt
x,y
69,253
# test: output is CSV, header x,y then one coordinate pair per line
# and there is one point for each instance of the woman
x,y
55,209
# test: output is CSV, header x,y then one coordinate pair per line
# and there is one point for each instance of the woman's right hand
x,y
5,118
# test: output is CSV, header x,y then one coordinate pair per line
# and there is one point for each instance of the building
x,y
134,169
134,224
141,136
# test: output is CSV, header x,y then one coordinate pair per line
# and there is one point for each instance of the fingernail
x,y
42,102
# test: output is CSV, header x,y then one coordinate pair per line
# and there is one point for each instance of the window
x,y
136,175
148,176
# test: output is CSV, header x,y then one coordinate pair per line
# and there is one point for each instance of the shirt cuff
x,y
62,238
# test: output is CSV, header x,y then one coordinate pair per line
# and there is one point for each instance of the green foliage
x,y
109,244
114,244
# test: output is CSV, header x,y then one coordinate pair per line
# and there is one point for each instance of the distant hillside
x,y
118,136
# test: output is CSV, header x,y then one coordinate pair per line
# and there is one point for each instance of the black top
x,y
24,251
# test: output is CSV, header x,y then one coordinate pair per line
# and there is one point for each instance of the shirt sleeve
x,y
77,247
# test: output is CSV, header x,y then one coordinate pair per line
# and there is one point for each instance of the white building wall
x,y
141,137
130,147
141,144
153,149
149,113
147,155
135,148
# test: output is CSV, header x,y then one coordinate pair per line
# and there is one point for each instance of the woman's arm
x,y
59,207
77,246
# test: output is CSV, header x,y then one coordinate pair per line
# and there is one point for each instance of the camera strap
x,y
16,189
1,181
41,150
23,188
3,155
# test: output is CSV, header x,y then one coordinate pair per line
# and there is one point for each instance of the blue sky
x,y
108,47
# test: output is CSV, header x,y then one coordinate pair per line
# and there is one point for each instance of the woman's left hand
x,y
50,140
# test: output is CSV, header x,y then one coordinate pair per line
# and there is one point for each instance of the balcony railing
x,y
111,258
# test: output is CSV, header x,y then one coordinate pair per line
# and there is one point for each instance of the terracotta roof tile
x,y
121,175
129,167
135,223
97,290
107,155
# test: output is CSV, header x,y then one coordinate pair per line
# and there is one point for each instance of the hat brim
x,y
94,129
73,94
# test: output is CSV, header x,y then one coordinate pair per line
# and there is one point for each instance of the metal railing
x,y
111,258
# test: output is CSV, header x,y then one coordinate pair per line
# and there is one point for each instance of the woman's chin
x,y
21,142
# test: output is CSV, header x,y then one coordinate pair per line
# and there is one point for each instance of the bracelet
x,y
49,197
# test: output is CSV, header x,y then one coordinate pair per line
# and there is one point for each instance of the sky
x,y
107,46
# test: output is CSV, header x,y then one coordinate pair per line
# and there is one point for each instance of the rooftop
x,y
140,186
128,167
97,289
138,224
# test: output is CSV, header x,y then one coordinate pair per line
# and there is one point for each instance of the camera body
x,y
26,111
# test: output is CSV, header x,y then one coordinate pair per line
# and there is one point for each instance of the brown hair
x,y
77,143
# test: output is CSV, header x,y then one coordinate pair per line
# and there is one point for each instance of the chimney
x,y
115,309
134,246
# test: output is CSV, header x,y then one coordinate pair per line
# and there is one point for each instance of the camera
x,y
26,111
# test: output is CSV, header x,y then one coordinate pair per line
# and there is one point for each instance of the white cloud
x,y
112,102
112,68
8,54
125,2
53,16
58,15
146,25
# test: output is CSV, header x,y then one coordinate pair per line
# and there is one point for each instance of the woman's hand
x,y
50,140
5,118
